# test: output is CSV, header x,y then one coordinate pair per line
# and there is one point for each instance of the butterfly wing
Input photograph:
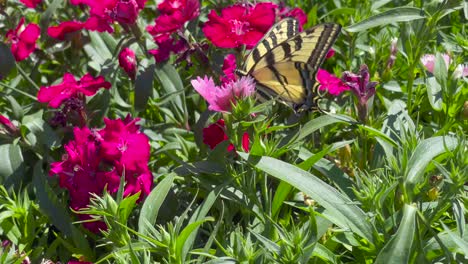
x,y
287,70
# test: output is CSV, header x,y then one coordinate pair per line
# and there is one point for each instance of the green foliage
x,y
323,186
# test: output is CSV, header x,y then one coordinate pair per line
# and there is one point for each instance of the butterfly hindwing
x,y
284,63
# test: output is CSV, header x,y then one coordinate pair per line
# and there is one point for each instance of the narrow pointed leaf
x,y
399,14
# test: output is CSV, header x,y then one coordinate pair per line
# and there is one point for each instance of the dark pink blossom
x,y
165,47
239,25
127,61
62,30
359,84
55,95
331,83
31,3
330,53
23,39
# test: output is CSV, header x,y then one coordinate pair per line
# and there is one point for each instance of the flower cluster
x,y
23,39
97,159
173,15
101,15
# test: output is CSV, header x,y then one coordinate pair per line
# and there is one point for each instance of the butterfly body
x,y
285,61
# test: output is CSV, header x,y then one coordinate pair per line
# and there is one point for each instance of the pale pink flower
x,y
221,98
428,60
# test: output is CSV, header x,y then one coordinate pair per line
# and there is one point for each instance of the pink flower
x,y
330,53
165,47
428,60
221,98
55,95
64,29
127,61
359,84
239,25
331,83
31,3
215,134
23,39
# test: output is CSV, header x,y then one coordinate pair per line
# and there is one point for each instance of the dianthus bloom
x,y
331,83
23,39
229,69
8,126
64,29
173,15
31,3
428,60
97,159
127,61
239,25
55,95
221,98
215,133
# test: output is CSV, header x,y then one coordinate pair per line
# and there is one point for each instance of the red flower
x,y
62,30
23,39
55,95
330,83
330,53
127,61
9,127
239,25
214,134
31,3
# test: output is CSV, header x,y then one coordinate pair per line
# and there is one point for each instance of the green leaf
x,y
317,123
7,60
144,84
424,153
398,249
440,70
57,212
188,231
172,84
434,93
346,213
150,209
11,161
49,12
398,14
40,131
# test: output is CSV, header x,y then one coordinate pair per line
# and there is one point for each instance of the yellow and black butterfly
x,y
285,61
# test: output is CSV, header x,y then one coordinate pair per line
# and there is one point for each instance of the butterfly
x,y
285,61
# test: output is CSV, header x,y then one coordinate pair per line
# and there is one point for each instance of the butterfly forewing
x,y
285,62
280,32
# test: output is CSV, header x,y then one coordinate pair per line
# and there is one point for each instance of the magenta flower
x,y
23,39
330,53
331,83
55,95
221,98
239,25
31,3
165,47
127,61
64,29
